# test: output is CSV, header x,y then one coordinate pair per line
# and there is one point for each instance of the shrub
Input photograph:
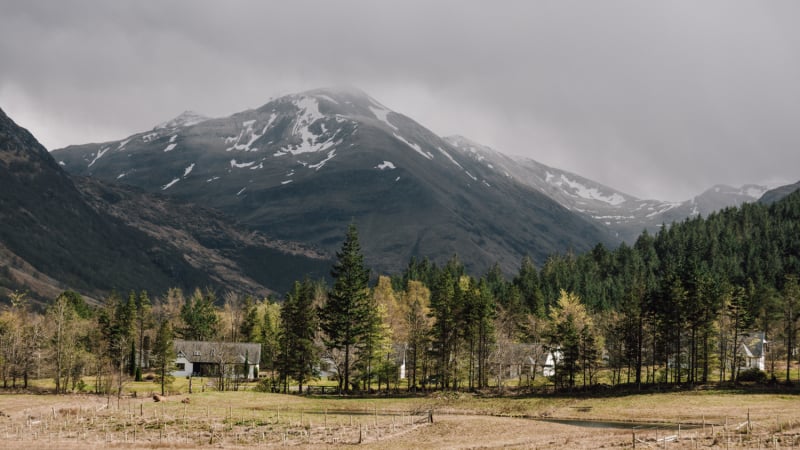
x,y
265,385
752,374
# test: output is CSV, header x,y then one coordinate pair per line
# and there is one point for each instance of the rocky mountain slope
x,y
56,234
302,167
624,214
773,195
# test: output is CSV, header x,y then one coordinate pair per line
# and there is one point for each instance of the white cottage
x,y
754,349
551,359
210,359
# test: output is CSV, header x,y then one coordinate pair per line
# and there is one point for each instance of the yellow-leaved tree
x,y
575,342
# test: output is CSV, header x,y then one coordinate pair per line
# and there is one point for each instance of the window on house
x,y
181,366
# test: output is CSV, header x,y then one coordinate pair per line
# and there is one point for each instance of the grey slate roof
x,y
753,344
213,352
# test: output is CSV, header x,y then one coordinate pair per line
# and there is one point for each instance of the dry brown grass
x,y
249,419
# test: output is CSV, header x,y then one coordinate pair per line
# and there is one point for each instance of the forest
x,y
672,309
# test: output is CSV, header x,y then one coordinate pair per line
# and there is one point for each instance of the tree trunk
x,y
346,368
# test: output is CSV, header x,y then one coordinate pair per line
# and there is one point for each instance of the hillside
x,y
625,215
302,167
56,234
774,195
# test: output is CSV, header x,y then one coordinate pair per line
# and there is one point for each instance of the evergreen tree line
x,y
674,307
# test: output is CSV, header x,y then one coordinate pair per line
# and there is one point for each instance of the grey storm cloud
x,y
657,99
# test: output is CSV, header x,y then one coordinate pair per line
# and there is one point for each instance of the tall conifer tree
x,y
344,318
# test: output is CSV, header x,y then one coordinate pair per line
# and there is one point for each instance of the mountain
x,y
185,119
303,166
57,234
624,214
232,256
778,193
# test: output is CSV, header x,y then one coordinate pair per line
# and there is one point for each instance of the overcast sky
x,y
657,99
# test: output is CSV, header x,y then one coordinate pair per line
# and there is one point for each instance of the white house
x,y
210,359
549,366
754,350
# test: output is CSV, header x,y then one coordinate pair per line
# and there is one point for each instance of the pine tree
x,y
791,309
344,317
200,317
298,328
144,322
527,281
418,323
444,330
164,354
248,330
269,336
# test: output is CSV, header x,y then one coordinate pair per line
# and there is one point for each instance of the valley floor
x,y
708,419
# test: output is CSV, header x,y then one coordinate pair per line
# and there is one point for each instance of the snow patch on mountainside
x,y
99,155
664,207
328,98
586,192
185,119
320,164
169,185
123,144
170,147
385,165
382,114
449,157
188,170
247,130
755,192
308,108
416,147
241,165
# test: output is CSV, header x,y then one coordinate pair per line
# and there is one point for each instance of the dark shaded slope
x,y
779,193
232,256
44,220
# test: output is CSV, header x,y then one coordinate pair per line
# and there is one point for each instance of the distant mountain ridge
x,y
303,166
57,233
625,214
185,119
773,195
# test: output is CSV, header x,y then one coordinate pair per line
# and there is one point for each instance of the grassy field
x,y
708,418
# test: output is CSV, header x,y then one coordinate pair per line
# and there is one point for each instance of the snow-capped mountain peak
x,y
184,119
301,166
624,213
